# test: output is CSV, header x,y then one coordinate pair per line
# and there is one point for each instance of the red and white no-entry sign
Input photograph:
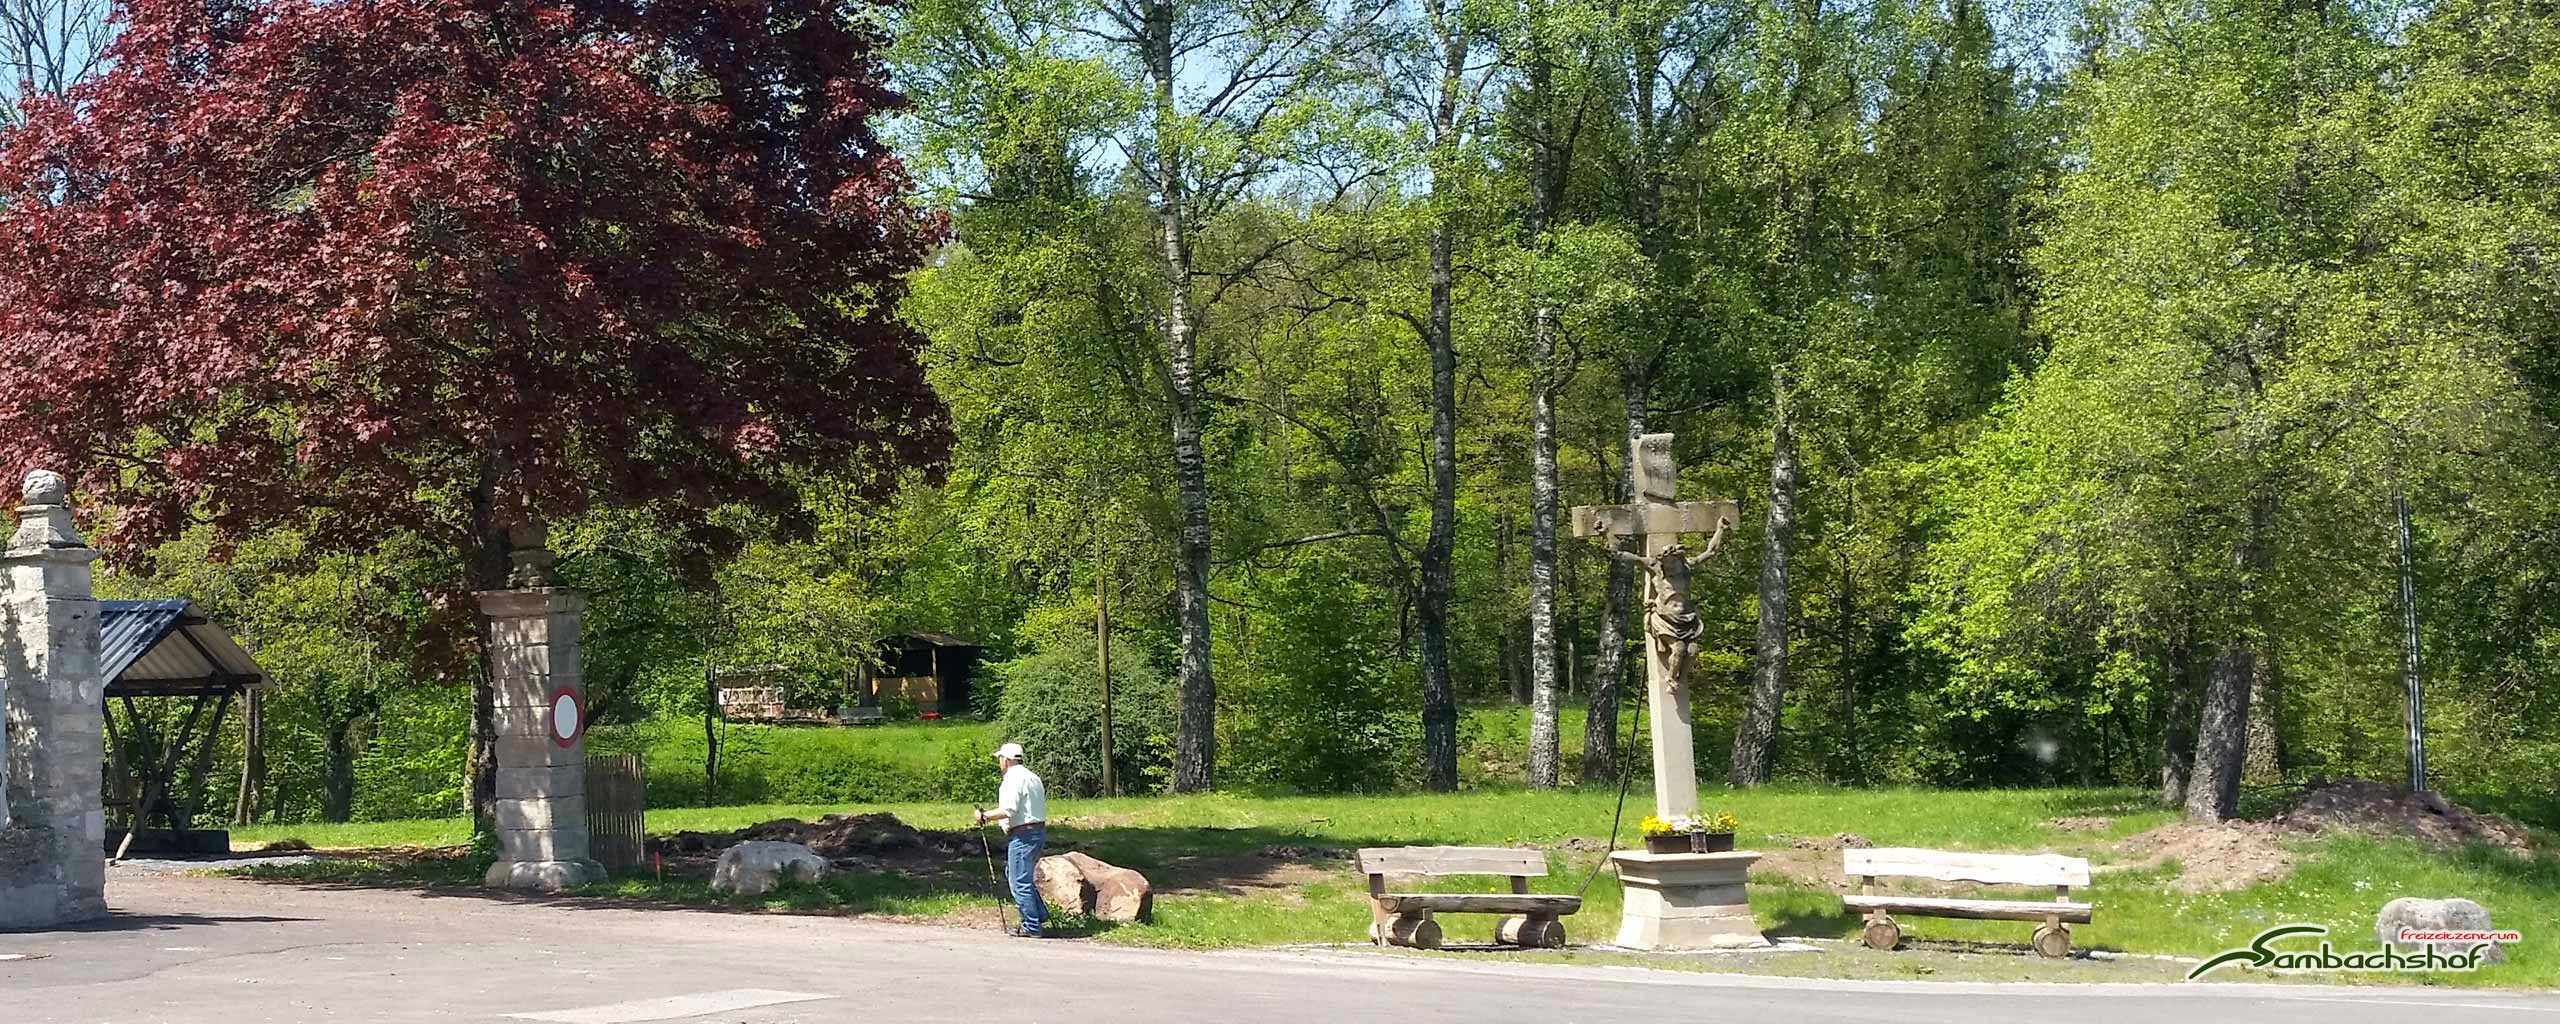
x,y
568,716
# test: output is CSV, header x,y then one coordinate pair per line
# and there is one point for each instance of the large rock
x,y
753,869
2435,916
1061,885
1076,883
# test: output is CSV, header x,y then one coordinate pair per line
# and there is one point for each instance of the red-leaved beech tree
x,y
461,266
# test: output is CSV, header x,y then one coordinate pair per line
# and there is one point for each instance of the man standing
x,y
1022,804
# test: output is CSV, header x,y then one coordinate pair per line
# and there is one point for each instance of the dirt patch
x,y
2211,857
2377,808
2081,824
1811,860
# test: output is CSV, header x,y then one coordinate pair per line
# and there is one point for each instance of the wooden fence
x,y
617,811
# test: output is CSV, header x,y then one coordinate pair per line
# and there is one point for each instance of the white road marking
x,y
672,1007
2437,1003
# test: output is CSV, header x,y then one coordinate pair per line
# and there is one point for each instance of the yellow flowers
x,y
1689,824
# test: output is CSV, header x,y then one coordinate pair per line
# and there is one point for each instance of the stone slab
x,y
528,782
525,691
523,720
541,813
539,752
533,602
538,844
32,907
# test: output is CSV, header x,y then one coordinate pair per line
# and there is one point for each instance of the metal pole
x,y
1102,637
2412,669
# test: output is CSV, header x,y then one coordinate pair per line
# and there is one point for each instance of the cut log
x,y
1532,932
1979,910
1882,934
2052,941
1480,903
1414,933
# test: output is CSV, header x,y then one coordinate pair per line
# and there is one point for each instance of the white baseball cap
x,y
1012,750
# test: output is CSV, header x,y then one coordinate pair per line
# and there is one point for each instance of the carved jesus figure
x,y
1670,618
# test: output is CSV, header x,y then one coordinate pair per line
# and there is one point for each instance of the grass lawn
x,y
1234,870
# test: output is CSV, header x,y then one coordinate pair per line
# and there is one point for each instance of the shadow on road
x,y
117,921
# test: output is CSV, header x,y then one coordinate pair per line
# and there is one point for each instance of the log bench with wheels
x,y
1407,918
2052,935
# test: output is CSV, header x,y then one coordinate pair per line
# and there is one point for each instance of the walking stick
x,y
1004,899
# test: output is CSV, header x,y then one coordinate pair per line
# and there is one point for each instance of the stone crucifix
x,y
1672,625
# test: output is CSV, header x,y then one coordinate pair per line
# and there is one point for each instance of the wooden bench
x,y
1405,918
2052,936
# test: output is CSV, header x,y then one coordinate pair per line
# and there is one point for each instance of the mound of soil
x,y
2363,805
2234,854
1813,860
2228,855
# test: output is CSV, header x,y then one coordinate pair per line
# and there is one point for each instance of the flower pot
x,y
1690,842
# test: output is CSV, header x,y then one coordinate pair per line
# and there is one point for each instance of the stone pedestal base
x,y
542,875
1686,901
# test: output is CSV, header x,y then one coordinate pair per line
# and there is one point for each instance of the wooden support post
x,y
2052,938
1378,916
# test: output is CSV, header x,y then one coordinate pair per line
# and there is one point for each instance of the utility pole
x,y
2413,678
1102,638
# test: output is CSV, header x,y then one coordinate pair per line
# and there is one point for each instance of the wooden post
x,y
253,758
710,735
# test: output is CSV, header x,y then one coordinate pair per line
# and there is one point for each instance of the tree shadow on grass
x,y
927,883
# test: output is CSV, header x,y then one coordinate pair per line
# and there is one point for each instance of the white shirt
x,y
1022,799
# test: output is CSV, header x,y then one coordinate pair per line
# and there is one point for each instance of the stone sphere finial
x,y
44,487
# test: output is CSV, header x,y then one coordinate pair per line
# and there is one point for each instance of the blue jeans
x,y
1021,855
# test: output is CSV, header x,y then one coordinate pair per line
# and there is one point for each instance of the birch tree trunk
x,y
1547,187
1610,662
1755,741
1195,741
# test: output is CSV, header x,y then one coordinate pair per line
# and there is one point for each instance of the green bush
x,y
1052,705
966,776
1325,702
846,777
779,764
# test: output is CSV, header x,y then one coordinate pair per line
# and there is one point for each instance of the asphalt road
x,y
194,949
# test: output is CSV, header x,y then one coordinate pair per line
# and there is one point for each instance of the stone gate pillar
x,y
540,733
53,822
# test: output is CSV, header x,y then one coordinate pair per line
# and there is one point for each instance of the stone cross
x,y
1672,625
